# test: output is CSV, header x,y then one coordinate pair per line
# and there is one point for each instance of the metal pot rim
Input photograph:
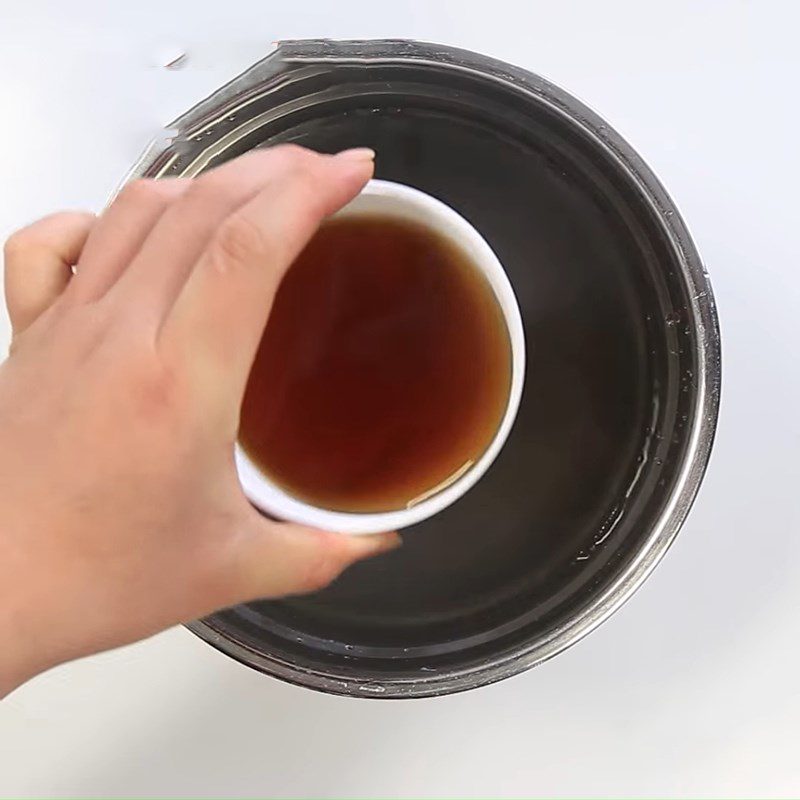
x,y
703,318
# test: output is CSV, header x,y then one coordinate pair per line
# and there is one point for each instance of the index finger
x,y
219,317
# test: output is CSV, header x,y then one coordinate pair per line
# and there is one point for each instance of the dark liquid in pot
x,y
384,370
542,532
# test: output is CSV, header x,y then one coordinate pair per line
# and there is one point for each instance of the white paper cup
x,y
401,202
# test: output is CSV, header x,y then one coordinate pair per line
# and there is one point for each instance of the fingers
x,y
38,261
280,559
221,312
159,271
119,234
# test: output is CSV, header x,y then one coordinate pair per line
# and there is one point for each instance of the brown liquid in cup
x,y
384,370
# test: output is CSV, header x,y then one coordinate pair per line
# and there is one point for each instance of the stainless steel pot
x,y
622,391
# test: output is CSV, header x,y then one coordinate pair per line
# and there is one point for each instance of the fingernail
x,y
384,542
357,154
394,540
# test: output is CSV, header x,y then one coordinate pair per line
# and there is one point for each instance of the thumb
x,y
277,558
38,261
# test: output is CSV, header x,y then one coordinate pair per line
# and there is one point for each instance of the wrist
x,y
16,662
23,651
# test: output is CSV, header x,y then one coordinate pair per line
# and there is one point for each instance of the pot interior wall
x,y
608,397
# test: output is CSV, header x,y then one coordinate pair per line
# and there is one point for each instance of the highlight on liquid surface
x,y
384,370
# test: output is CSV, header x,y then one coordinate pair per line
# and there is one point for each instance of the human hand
x,y
120,503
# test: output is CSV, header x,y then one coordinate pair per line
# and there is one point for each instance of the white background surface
x,y
692,688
